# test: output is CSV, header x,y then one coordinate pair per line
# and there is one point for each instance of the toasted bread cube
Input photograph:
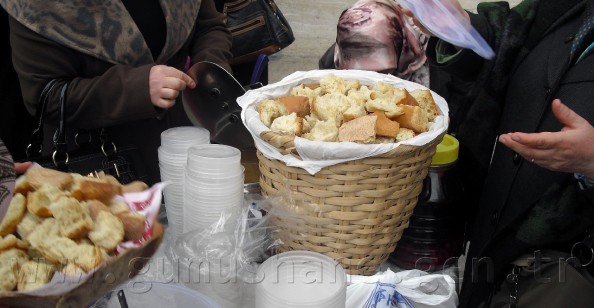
x,y
14,214
108,231
73,219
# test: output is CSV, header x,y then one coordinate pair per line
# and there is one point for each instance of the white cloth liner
x,y
316,155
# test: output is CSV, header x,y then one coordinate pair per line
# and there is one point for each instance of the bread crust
x,y
297,104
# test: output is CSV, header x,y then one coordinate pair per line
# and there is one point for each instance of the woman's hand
x,y
21,168
165,83
569,150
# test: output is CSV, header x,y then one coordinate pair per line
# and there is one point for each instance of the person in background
x,y
526,146
375,35
124,60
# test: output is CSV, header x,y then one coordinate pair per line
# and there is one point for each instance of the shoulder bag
x,y
258,27
124,163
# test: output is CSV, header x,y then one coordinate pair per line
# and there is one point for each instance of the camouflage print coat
x,y
97,45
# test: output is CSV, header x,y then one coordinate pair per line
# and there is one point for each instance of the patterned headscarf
x,y
375,35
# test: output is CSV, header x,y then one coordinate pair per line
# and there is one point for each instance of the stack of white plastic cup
x,y
213,184
300,279
173,154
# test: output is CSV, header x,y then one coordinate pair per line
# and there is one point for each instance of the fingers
x,y
188,81
565,115
21,168
165,84
533,147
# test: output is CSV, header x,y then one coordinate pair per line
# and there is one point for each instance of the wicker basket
x,y
353,212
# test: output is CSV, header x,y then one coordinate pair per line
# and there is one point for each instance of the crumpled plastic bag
x,y
406,289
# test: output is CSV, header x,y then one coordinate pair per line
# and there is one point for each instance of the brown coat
x,y
97,45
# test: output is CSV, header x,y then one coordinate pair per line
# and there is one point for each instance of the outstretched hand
x,y
569,150
165,84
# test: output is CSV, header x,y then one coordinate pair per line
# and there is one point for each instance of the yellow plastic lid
x,y
447,151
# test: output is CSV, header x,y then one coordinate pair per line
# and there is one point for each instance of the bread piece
x,y
333,84
135,186
297,104
22,186
323,131
38,204
134,224
309,91
385,104
60,249
52,192
404,98
35,274
288,125
66,250
94,189
413,118
385,127
74,220
38,176
361,95
27,225
117,207
94,207
72,270
356,110
308,123
108,231
10,263
11,241
426,102
382,89
331,107
15,212
405,134
269,110
358,130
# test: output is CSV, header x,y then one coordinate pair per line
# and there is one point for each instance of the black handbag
x,y
548,279
90,158
258,27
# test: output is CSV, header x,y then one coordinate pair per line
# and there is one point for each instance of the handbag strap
x,y
60,155
35,146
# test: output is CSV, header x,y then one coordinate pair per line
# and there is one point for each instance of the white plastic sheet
x,y
316,155
406,289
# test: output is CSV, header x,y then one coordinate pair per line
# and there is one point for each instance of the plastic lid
x,y
447,151
444,20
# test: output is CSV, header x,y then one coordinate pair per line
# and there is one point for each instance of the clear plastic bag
x,y
443,19
221,261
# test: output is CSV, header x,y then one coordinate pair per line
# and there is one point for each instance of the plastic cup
x,y
286,277
214,157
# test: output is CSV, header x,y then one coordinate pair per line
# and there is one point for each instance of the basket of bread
x,y
68,239
345,153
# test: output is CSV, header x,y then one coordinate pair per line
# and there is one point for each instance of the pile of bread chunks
x,y
63,222
339,110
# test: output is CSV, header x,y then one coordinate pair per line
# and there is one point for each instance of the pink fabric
x,y
375,35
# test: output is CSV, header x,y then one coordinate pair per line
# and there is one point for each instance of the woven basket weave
x,y
353,212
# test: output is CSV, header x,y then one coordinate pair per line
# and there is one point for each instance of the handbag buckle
x,y
584,250
55,157
114,149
